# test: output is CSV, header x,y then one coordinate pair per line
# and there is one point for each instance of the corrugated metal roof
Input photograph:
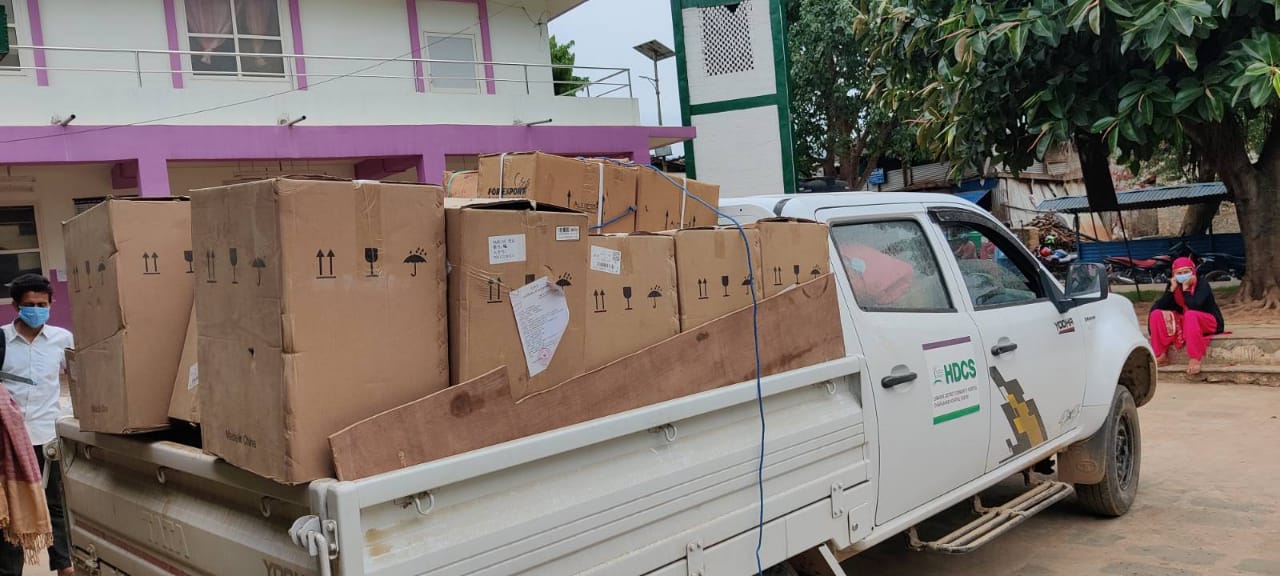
x,y
1180,195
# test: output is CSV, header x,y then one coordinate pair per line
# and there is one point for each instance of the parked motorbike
x,y
1220,267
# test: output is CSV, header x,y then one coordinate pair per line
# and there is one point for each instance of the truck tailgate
x,y
140,506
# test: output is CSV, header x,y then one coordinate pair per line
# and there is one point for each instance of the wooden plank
x,y
799,327
442,423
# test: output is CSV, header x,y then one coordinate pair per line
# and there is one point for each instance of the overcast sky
x,y
629,23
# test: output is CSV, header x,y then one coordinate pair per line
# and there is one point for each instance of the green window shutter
x,y
4,32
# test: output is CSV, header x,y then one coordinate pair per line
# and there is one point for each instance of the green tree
x,y
832,117
1119,78
566,83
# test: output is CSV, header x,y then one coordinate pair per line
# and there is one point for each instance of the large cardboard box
x,y
792,251
633,304
540,177
616,211
130,289
660,203
461,184
712,272
185,403
499,247
319,302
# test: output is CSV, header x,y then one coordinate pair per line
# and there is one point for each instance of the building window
x,y
460,75
231,27
19,243
13,59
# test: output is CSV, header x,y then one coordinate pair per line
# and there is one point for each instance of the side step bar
x,y
995,521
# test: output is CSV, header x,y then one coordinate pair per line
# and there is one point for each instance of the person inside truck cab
x,y
35,351
1186,315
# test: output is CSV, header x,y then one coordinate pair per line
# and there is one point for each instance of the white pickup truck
x,y
966,364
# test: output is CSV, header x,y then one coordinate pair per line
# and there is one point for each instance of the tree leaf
x,y
1095,20
1275,81
1040,27
1197,8
1260,92
1186,96
1018,40
1127,130
980,13
1224,6
1079,8
1188,56
1156,35
1151,15
1257,69
1181,20
1162,55
1103,124
1118,8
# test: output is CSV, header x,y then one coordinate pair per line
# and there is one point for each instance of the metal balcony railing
x,y
600,81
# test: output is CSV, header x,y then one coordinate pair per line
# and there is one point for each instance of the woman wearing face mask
x,y
1186,315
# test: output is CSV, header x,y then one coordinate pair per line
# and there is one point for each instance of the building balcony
x,y
124,86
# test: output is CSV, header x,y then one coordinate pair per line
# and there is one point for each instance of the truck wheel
x,y
1123,460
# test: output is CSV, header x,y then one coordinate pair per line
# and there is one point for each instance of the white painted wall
x,y
369,28
743,162
759,80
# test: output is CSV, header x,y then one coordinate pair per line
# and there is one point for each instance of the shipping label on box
x,y
662,205
319,303
713,274
633,303
495,249
130,286
792,251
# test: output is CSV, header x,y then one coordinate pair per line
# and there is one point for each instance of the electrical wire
x,y
256,98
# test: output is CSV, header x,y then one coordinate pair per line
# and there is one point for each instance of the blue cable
x,y
755,330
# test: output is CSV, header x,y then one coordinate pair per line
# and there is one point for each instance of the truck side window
x,y
891,267
986,263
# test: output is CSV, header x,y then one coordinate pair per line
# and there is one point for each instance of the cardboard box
x,y
540,177
660,203
463,184
319,303
712,273
792,251
499,247
185,403
633,304
616,213
130,299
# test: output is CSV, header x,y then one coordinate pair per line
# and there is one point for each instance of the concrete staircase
x,y
1249,355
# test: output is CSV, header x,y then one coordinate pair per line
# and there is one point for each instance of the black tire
x,y
1217,276
1122,461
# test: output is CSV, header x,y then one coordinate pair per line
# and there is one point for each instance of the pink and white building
x,y
157,97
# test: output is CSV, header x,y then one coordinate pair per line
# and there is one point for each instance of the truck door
x,y
924,358
1035,353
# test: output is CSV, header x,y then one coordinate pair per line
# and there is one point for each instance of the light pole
x,y
656,51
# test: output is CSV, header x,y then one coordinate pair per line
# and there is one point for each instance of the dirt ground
x,y
1207,505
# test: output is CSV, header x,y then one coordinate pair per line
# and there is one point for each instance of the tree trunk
x,y
1197,219
1256,189
1095,167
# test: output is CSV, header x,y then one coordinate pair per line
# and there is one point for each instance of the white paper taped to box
x,y
542,316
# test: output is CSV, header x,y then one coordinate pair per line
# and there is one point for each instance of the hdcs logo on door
x,y
956,372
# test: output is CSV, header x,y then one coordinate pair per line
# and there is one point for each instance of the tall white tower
x,y
732,62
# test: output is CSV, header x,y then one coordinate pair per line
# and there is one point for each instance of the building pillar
x,y
641,154
153,177
431,168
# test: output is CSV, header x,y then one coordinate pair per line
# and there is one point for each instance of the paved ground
x,y
1209,503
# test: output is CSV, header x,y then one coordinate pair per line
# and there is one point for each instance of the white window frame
x,y
286,44
27,199
19,37
426,54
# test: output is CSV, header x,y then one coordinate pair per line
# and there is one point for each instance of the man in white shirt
x,y
36,351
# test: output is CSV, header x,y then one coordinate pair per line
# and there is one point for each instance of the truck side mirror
x,y
1086,283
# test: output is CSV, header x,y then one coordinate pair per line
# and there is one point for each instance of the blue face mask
x,y
1182,278
33,316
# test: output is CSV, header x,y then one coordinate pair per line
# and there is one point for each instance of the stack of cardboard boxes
x,y
320,303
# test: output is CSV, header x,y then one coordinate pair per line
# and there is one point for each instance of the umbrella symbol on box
x,y
654,295
259,263
564,280
815,272
747,282
418,256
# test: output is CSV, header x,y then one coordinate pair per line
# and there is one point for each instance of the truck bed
x,y
666,489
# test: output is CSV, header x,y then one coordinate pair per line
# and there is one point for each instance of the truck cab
x,y
965,363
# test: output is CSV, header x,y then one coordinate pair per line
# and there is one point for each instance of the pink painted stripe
x,y
37,39
300,64
485,46
415,43
152,145
171,30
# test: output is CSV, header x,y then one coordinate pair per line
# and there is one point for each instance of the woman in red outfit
x,y
1186,315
